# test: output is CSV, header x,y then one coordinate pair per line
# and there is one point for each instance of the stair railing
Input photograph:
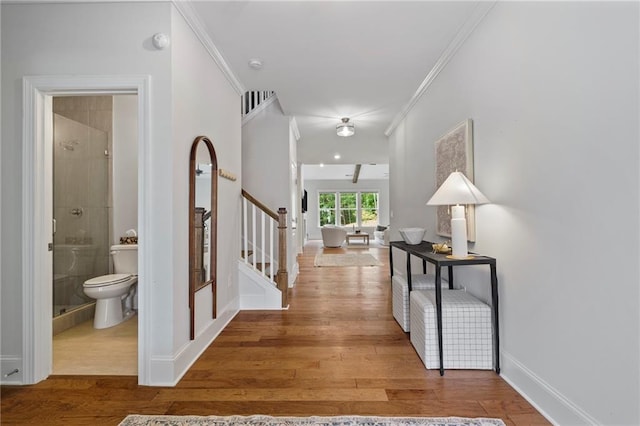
x,y
253,99
254,238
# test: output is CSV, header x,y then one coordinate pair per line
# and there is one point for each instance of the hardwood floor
x,y
336,351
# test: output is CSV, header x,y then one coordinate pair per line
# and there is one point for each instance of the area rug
x,y
140,420
346,259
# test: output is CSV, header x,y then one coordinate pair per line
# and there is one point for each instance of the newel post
x,y
283,275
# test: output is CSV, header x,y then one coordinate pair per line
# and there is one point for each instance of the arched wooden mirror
x,y
203,221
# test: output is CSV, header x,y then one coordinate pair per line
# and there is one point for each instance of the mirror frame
x,y
213,231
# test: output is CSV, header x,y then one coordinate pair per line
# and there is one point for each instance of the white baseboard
x,y
8,367
558,409
168,370
294,274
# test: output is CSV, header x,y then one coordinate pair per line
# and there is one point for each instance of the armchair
x,y
382,237
333,236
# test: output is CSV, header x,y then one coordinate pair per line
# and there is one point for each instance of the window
x,y
348,209
368,208
327,208
352,209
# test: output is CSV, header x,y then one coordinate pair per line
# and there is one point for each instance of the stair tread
x,y
259,265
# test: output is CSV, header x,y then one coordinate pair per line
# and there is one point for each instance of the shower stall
x,y
81,202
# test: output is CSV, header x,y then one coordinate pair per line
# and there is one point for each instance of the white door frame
x,y
37,274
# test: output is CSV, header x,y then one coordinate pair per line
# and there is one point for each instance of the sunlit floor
x,y
83,350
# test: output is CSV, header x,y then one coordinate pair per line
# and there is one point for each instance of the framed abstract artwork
x,y
454,152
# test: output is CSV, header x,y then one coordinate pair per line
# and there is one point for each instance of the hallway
x,y
336,351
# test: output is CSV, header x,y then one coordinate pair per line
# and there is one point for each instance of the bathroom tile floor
x,y
83,350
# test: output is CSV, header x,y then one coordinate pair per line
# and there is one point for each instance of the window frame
x,y
334,210
337,210
362,209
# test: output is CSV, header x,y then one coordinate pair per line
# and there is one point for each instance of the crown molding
x,y
478,14
191,17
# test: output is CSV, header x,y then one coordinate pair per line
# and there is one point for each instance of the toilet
x,y
116,290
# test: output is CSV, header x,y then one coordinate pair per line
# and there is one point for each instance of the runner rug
x,y
140,420
346,259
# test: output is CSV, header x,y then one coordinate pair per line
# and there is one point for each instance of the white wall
x,y
189,96
75,39
295,207
314,186
265,152
266,167
203,104
553,92
125,165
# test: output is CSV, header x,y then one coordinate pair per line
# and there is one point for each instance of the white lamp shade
x,y
457,189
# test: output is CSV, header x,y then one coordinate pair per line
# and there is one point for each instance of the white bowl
x,y
412,235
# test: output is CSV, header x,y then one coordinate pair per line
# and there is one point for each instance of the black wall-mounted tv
x,y
304,202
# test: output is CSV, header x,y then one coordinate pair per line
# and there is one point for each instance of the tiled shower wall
x,y
82,192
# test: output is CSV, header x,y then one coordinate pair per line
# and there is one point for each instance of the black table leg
x,y
409,272
450,270
391,260
424,266
439,316
496,328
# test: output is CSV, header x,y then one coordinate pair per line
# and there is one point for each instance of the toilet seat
x,y
107,280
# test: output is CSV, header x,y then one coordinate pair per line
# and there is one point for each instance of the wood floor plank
x,y
273,394
336,351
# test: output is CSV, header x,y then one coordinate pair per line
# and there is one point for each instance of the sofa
x,y
333,236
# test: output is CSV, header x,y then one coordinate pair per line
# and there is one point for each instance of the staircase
x,y
262,267
263,258
264,277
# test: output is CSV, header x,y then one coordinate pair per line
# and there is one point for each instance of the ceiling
x,y
331,59
344,171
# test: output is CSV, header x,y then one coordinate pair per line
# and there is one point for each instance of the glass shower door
x,y
80,206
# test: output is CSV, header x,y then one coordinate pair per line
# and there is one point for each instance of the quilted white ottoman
x,y
400,294
466,330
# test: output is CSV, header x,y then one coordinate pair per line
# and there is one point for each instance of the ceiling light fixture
x,y
345,128
337,156
255,64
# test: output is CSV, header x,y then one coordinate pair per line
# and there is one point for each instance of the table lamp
x,y
457,191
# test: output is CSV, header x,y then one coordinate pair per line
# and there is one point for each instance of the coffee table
x,y
358,235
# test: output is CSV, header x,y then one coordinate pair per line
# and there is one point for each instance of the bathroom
x,y
95,200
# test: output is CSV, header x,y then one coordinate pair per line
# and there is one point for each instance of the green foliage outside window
x,y
347,208
327,208
369,208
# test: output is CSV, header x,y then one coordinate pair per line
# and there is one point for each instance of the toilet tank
x,y
125,258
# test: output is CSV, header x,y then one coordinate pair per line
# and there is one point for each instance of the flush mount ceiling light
x,y
255,64
345,129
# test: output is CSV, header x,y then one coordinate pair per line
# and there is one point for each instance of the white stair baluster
x,y
271,249
245,230
262,243
253,242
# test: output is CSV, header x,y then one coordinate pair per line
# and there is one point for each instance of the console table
x,y
424,251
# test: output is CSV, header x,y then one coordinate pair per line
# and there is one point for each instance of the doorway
x,y
37,203
94,151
